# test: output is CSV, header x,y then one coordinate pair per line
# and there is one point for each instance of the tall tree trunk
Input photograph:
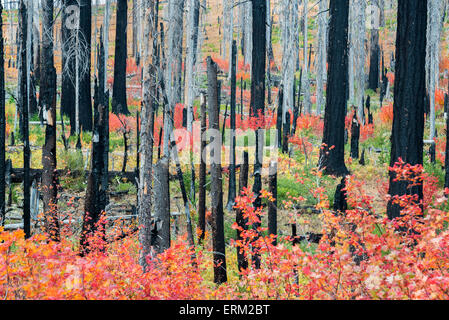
x,y
161,228
147,129
242,261
218,238
272,206
202,174
68,63
2,125
119,104
257,107
332,153
232,184
47,100
321,56
23,107
373,82
85,30
409,95
96,192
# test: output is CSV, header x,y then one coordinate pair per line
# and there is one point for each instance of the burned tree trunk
x,y
95,202
332,152
202,175
23,109
272,205
257,106
47,100
218,238
409,95
147,132
68,63
119,104
232,184
355,136
242,261
373,82
2,126
161,225
84,94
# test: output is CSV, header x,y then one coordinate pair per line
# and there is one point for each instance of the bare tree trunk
x,y
290,47
48,105
232,184
257,106
242,261
202,175
320,61
147,130
409,94
96,192
2,126
23,107
161,228
218,239
305,77
332,155
119,104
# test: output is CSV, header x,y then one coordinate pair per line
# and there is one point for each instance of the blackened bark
x,y
272,205
2,126
373,81
202,177
67,84
286,132
23,109
232,182
332,152
218,239
409,96
119,105
85,104
161,228
95,202
340,200
47,100
257,106
279,116
355,136
242,260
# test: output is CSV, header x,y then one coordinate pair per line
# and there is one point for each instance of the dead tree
x,y
332,152
242,260
321,56
272,205
147,130
47,101
85,30
409,95
216,192
2,126
232,184
355,136
257,106
161,225
95,202
23,109
119,104
202,174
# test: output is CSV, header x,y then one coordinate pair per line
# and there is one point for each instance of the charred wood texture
x,y
409,96
333,152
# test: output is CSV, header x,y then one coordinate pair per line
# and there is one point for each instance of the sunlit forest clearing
x,y
204,149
